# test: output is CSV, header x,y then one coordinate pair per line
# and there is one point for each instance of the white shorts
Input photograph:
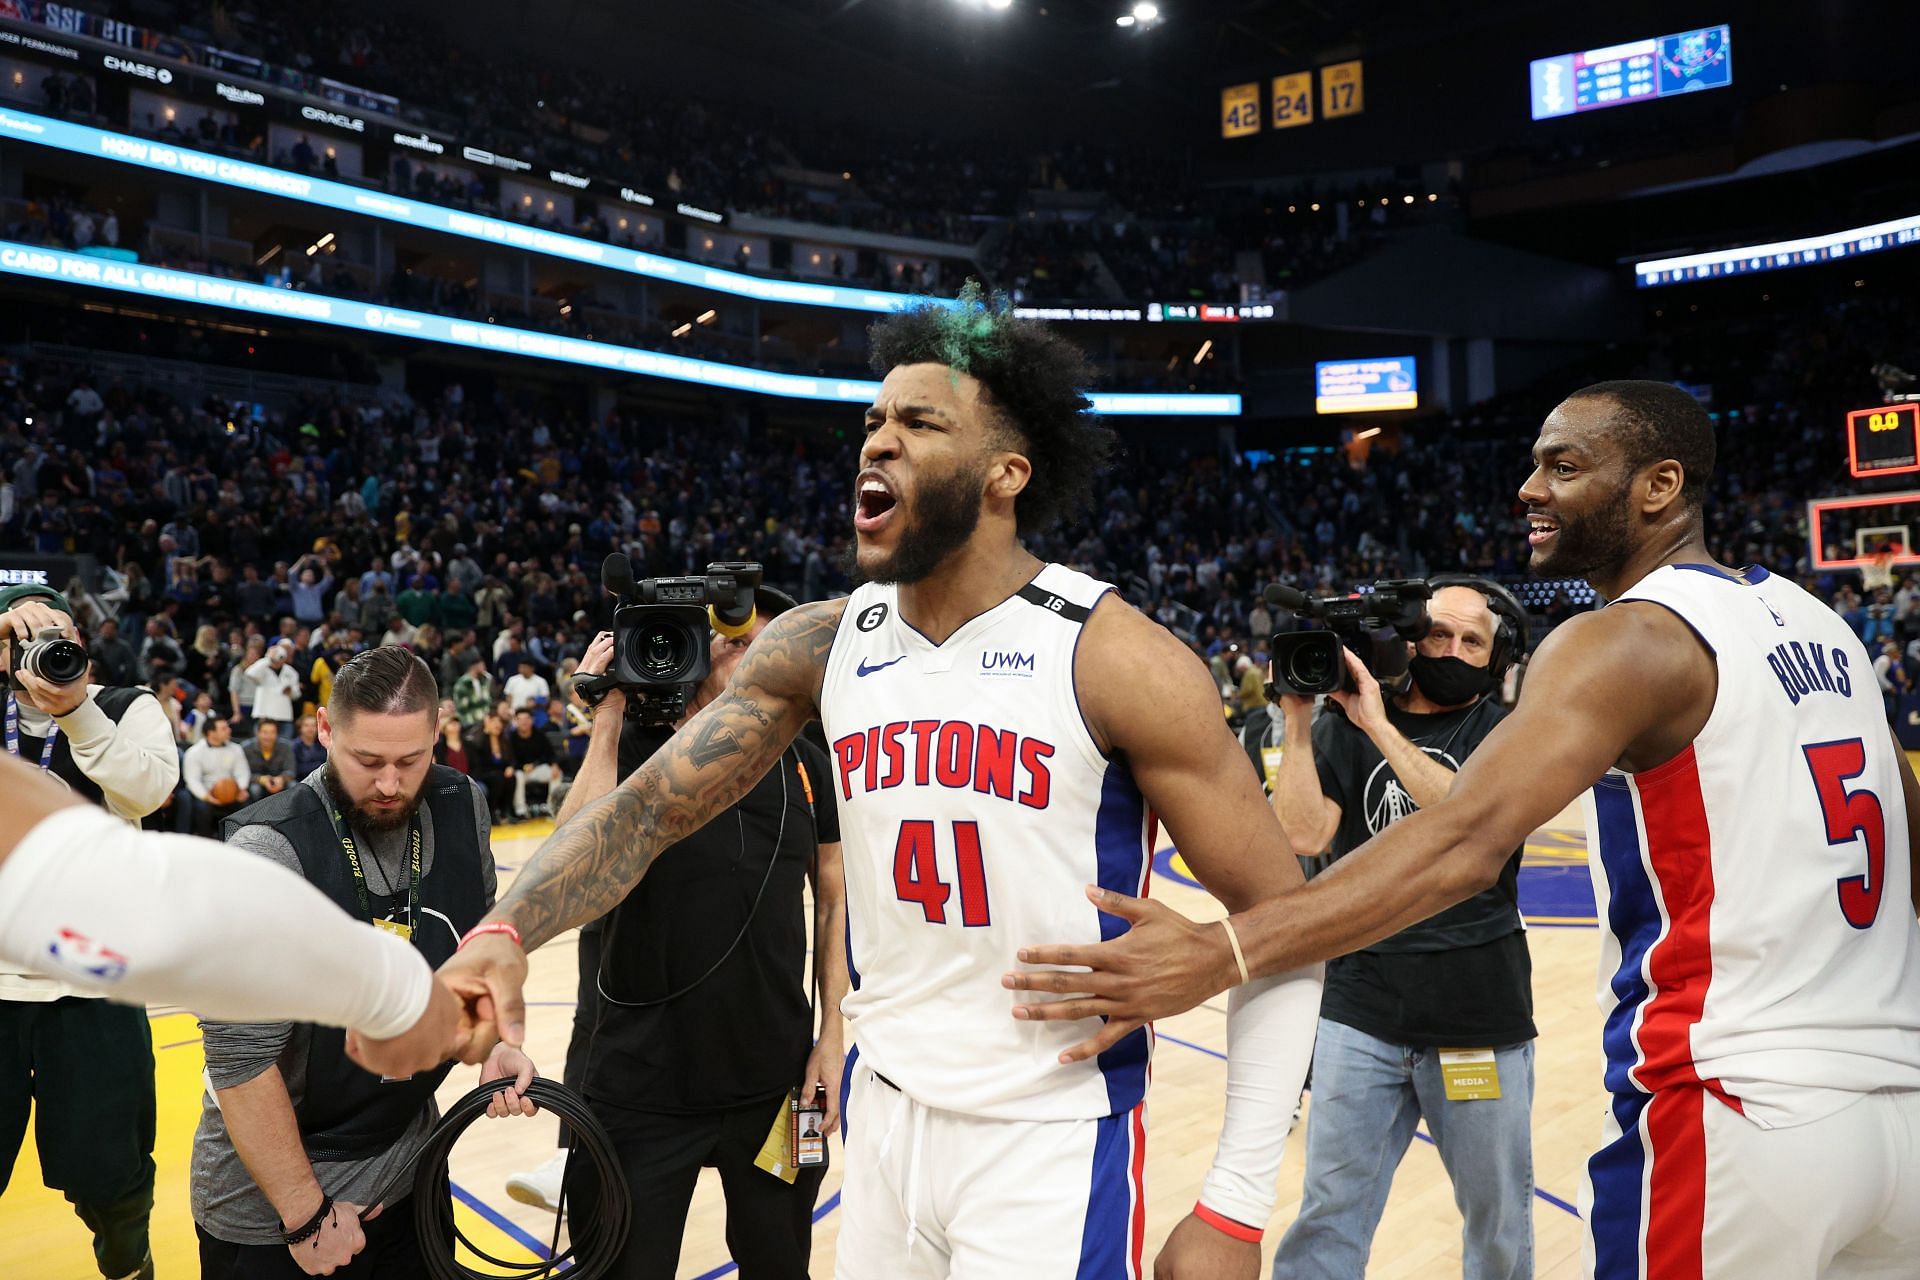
x,y
1686,1188
933,1194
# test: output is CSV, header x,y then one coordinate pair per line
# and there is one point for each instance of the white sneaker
x,y
540,1187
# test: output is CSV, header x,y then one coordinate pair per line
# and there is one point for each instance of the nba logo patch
x,y
78,954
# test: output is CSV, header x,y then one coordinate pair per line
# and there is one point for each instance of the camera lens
x,y
56,661
663,652
1310,667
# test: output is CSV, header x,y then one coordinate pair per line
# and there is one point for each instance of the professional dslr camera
x,y
1309,662
662,629
49,655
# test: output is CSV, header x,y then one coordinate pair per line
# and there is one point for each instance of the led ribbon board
x,y
207,167
62,267
1780,254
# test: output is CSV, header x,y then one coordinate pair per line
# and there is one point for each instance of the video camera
x,y
662,632
1310,662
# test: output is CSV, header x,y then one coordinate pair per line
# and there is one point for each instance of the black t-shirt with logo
x,y
741,1034
1462,978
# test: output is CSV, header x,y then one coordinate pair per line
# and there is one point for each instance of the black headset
x,y
1512,634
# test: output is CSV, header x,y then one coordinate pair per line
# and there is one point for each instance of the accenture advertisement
x,y
59,266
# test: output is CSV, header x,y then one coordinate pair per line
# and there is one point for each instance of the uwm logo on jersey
x,y
1002,662
948,753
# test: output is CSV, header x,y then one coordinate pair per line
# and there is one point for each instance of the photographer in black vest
x,y
1436,1021
86,1065
294,1138
694,1022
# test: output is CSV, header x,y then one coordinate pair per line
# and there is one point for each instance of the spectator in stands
x,y
450,747
527,688
312,581
114,662
216,774
158,653
269,761
1891,673
473,693
308,751
532,759
276,685
490,762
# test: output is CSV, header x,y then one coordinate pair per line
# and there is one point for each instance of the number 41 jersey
x,y
1760,940
975,808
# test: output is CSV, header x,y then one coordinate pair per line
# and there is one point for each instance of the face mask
x,y
1449,682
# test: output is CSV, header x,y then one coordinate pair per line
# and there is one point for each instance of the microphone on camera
x,y
616,575
1290,598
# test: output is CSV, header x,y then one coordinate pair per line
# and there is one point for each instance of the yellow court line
x,y
46,1241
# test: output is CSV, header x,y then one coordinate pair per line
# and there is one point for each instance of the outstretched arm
x,y
589,865
1154,707
1630,684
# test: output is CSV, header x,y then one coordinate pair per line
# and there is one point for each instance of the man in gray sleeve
x,y
296,1141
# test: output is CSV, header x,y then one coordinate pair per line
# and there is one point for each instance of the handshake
x,y
476,1000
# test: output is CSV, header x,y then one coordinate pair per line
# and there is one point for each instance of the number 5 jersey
x,y
1758,923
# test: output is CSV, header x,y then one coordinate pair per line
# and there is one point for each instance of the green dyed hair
x,y
1033,379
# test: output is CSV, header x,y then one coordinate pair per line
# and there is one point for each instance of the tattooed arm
x,y
590,864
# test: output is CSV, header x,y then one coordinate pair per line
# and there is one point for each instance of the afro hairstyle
x,y
1033,380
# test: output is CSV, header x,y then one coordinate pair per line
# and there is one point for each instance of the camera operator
x,y
83,1065
295,1140
696,989
1436,1021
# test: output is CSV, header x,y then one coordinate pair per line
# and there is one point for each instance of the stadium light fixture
x,y
999,4
1124,20
1146,11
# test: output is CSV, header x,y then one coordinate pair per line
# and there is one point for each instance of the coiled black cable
x,y
598,1233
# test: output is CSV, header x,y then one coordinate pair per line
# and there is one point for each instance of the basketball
x,y
225,791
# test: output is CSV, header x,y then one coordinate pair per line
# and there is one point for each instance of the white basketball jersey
x,y
1759,930
975,808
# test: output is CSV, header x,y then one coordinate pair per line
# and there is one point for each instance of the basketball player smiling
x,y
974,811
1752,829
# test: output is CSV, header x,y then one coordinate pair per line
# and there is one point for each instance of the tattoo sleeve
x,y
589,865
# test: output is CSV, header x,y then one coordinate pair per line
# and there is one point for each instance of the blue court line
x,y
537,1248
1548,1196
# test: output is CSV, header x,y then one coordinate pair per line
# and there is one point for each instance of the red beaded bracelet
x,y
492,926
1238,1230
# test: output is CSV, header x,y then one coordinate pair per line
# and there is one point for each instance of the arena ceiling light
x,y
1144,14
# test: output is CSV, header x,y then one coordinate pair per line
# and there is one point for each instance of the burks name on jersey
x,y
949,753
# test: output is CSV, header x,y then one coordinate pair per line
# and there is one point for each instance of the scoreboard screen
x,y
1637,71
1363,386
1884,441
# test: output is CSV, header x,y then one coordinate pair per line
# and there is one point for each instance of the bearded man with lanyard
x,y
295,1140
87,1064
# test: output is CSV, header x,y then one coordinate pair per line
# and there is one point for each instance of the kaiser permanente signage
x,y
58,265
206,167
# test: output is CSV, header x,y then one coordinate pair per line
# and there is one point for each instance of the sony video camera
x,y
662,629
1309,662
49,655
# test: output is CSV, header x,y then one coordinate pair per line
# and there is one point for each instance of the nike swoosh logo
x,y
864,670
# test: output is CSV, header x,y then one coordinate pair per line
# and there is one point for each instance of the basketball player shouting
x,y
1000,729
1751,827
145,917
